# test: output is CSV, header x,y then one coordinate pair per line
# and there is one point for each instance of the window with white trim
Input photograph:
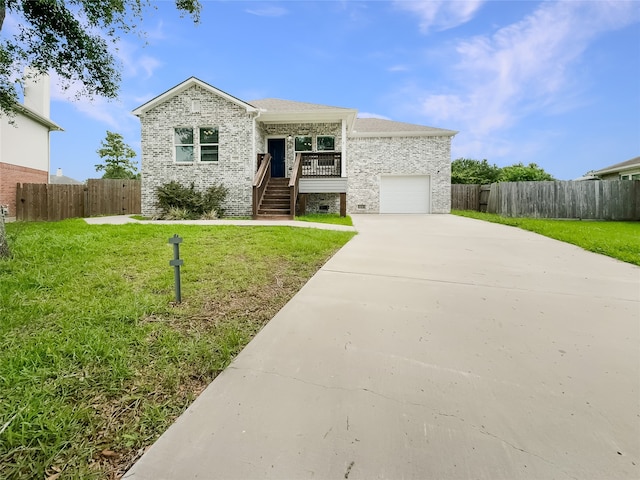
x,y
188,146
208,144
184,146
326,142
304,144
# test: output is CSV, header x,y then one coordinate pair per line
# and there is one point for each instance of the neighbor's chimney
x,y
59,172
36,93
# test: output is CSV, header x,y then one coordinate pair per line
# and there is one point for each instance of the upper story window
x,y
326,143
304,144
183,139
208,144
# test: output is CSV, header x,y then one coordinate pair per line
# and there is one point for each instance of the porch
x,y
284,197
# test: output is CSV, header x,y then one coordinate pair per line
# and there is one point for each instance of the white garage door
x,y
405,194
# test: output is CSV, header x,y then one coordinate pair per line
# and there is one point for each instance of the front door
x,y
276,147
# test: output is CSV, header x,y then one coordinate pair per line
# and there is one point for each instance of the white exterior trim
x,y
414,133
190,82
343,165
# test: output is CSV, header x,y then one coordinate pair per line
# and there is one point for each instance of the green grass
x,y
332,218
95,359
619,240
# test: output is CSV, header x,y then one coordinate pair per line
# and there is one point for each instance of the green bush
x,y
173,197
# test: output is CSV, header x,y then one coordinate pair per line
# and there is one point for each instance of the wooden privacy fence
x,y
592,200
470,197
35,201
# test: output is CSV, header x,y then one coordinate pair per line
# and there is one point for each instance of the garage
x,y
405,194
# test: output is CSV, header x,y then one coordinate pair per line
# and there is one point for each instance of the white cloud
x,y
134,62
441,14
521,69
268,11
112,113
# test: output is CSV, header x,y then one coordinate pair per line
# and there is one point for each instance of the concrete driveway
x,y
430,347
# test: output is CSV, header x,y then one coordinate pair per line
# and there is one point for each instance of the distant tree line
x,y
470,171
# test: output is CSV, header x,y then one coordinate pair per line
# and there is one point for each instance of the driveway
x,y
430,347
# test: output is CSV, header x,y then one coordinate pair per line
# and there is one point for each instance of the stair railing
x,y
294,183
263,175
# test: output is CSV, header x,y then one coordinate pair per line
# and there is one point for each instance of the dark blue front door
x,y
276,148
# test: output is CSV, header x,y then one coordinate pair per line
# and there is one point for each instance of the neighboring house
x,y
629,170
60,179
24,144
195,133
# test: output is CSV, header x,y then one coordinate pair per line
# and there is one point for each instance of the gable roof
x,y
377,127
620,167
291,106
63,180
276,110
181,87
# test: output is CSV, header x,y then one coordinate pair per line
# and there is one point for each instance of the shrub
x,y
172,195
211,215
175,213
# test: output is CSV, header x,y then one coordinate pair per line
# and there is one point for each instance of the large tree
x,y
118,158
470,171
524,173
72,39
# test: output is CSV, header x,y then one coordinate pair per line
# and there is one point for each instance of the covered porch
x,y
300,151
277,197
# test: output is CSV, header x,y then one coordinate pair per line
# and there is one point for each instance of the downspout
x,y
343,168
253,142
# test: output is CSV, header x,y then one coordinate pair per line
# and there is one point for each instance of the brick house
x,y
24,142
275,156
627,170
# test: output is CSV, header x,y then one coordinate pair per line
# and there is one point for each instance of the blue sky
x,y
555,83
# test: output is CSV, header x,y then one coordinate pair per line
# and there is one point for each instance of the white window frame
x,y
176,145
196,146
200,144
325,136
302,136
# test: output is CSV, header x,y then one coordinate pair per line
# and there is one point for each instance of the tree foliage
x,y
470,171
467,170
118,158
524,173
71,38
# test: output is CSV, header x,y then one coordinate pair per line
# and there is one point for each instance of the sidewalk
x,y
123,219
429,347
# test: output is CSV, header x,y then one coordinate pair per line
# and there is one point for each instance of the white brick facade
x,y
244,132
370,157
309,129
235,167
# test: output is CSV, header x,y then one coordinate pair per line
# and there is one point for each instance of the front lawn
x,y
619,240
95,359
332,218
